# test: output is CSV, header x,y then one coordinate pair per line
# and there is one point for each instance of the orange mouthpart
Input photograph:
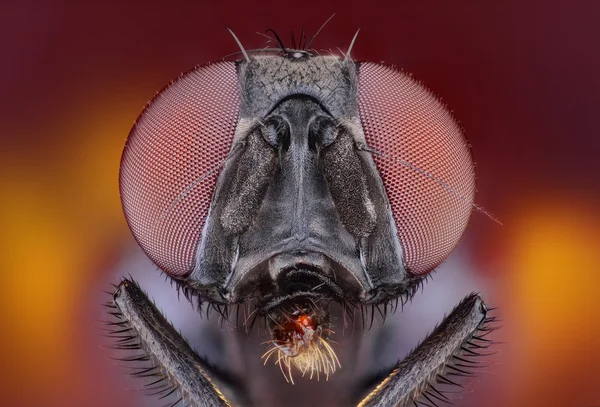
x,y
295,333
297,341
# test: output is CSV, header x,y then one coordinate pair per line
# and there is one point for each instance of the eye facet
x,y
172,160
425,165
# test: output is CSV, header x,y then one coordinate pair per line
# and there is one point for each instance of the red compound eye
x,y
426,165
171,162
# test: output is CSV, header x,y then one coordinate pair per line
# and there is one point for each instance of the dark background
x,y
521,76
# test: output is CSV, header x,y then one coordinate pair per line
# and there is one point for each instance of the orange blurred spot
x,y
39,259
553,300
56,227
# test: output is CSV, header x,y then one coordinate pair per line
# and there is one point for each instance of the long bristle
x,y
318,358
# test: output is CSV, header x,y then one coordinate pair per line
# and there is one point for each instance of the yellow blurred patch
x,y
55,226
553,299
39,262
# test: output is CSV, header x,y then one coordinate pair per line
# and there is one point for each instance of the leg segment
x,y
447,351
177,368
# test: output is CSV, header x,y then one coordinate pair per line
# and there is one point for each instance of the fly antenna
x,y
347,57
318,31
239,45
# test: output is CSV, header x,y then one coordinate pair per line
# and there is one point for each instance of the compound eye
x,y
425,165
171,162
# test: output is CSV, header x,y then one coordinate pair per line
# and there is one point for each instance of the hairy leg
x,y
448,351
165,356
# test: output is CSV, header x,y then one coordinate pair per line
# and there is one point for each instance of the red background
x,y
521,76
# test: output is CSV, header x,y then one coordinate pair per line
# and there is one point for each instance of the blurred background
x,y
521,76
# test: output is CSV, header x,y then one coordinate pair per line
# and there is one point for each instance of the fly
x,y
300,188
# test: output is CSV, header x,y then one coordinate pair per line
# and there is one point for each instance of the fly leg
x,y
450,350
172,364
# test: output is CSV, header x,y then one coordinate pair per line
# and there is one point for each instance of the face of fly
x,y
296,181
297,194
